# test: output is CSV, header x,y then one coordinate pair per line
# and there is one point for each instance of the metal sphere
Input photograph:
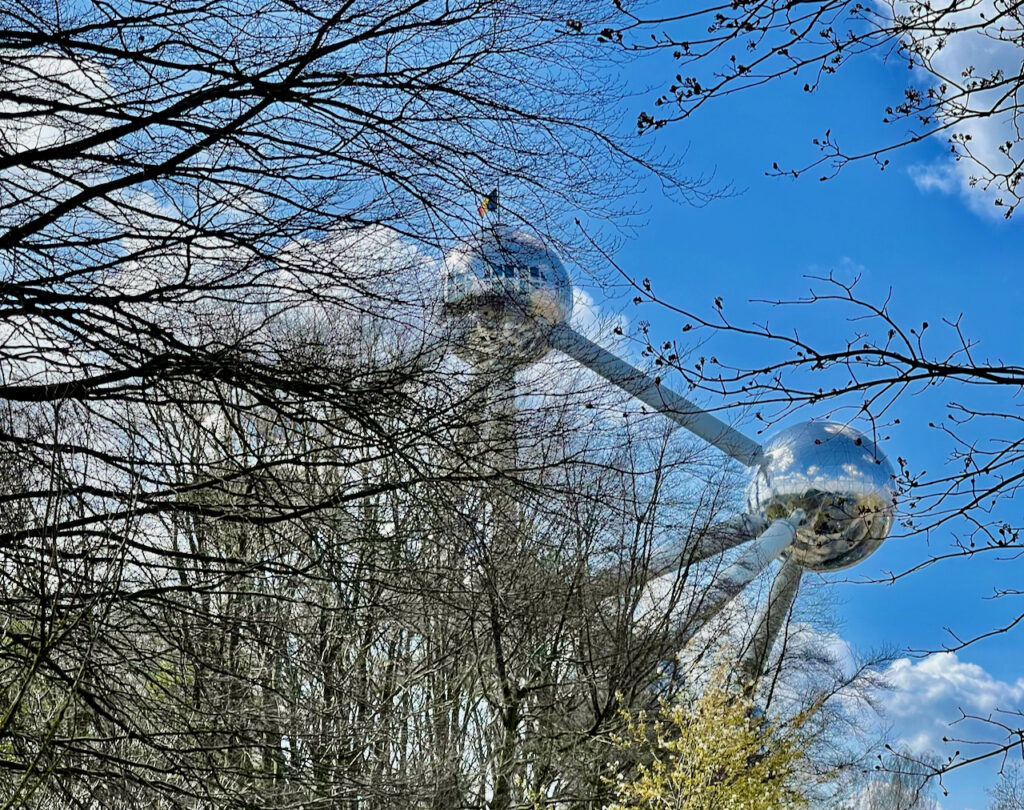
x,y
503,291
840,479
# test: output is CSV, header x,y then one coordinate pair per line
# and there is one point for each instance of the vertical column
x,y
769,622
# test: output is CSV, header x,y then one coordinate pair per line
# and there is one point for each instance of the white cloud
x,y
36,81
985,41
929,694
941,177
30,120
587,319
927,702
366,291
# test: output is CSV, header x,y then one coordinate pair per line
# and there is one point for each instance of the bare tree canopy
x,y
168,173
266,543
1008,793
903,782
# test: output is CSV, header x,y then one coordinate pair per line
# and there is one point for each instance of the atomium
x,y
820,496
842,482
504,290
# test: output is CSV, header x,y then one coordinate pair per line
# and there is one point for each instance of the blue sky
x,y
943,253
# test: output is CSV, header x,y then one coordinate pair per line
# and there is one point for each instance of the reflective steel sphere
x,y
840,479
503,291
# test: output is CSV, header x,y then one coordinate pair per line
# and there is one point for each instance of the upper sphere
x,y
503,291
840,479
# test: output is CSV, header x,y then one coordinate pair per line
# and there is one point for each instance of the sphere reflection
x,y
840,479
504,290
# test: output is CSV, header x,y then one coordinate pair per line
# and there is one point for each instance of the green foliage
x,y
712,754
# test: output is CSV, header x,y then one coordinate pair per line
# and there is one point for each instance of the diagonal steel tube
x,y
681,552
757,556
660,397
769,622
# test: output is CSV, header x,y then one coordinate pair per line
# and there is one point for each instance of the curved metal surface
x,y
503,291
841,480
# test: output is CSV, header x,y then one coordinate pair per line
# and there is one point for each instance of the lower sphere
x,y
841,481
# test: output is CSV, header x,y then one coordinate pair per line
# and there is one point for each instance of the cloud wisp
x,y
970,58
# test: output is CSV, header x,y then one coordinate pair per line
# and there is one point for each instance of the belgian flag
x,y
488,203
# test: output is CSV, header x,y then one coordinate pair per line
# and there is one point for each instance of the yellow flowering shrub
x,y
711,756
